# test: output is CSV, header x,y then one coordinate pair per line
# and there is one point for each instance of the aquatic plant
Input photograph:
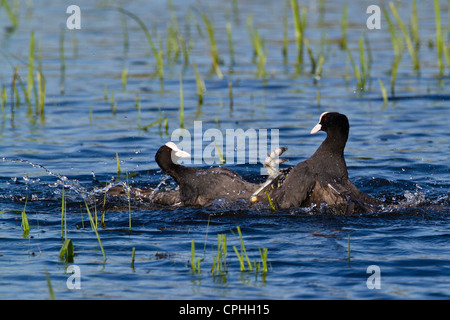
x,y
316,64
212,48
118,166
157,53
12,17
258,47
344,26
200,85
219,266
94,227
132,257
383,92
30,79
62,57
299,27
195,266
285,42
243,253
263,254
49,286
67,251
439,37
63,215
3,100
181,109
348,248
270,200
415,25
124,77
24,224
230,43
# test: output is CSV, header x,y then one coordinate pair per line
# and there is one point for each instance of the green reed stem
x,y
24,224
263,253
415,25
132,257
12,17
62,57
158,54
383,92
299,25
409,45
200,85
30,81
93,226
49,286
124,77
181,110
230,43
439,37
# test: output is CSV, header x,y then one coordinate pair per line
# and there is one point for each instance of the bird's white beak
x,y
318,126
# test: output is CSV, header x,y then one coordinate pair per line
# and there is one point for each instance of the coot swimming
x,y
200,187
323,178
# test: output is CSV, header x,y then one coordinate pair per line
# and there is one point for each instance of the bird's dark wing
x,y
202,186
295,189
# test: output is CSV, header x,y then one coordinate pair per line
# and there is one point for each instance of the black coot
x,y
200,187
323,178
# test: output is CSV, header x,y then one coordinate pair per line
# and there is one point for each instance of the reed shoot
x,y
67,251
63,60
93,226
219,152
12,17
132,257
49,285
439,37
200,85
25,226
258,47
243,253
263,253
195,266
158,54
30,81
230,43
181,110
63,215
409,45
300,26
415,25
383,92
212,49
344,26
219,266
124,77
284,50
118,165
